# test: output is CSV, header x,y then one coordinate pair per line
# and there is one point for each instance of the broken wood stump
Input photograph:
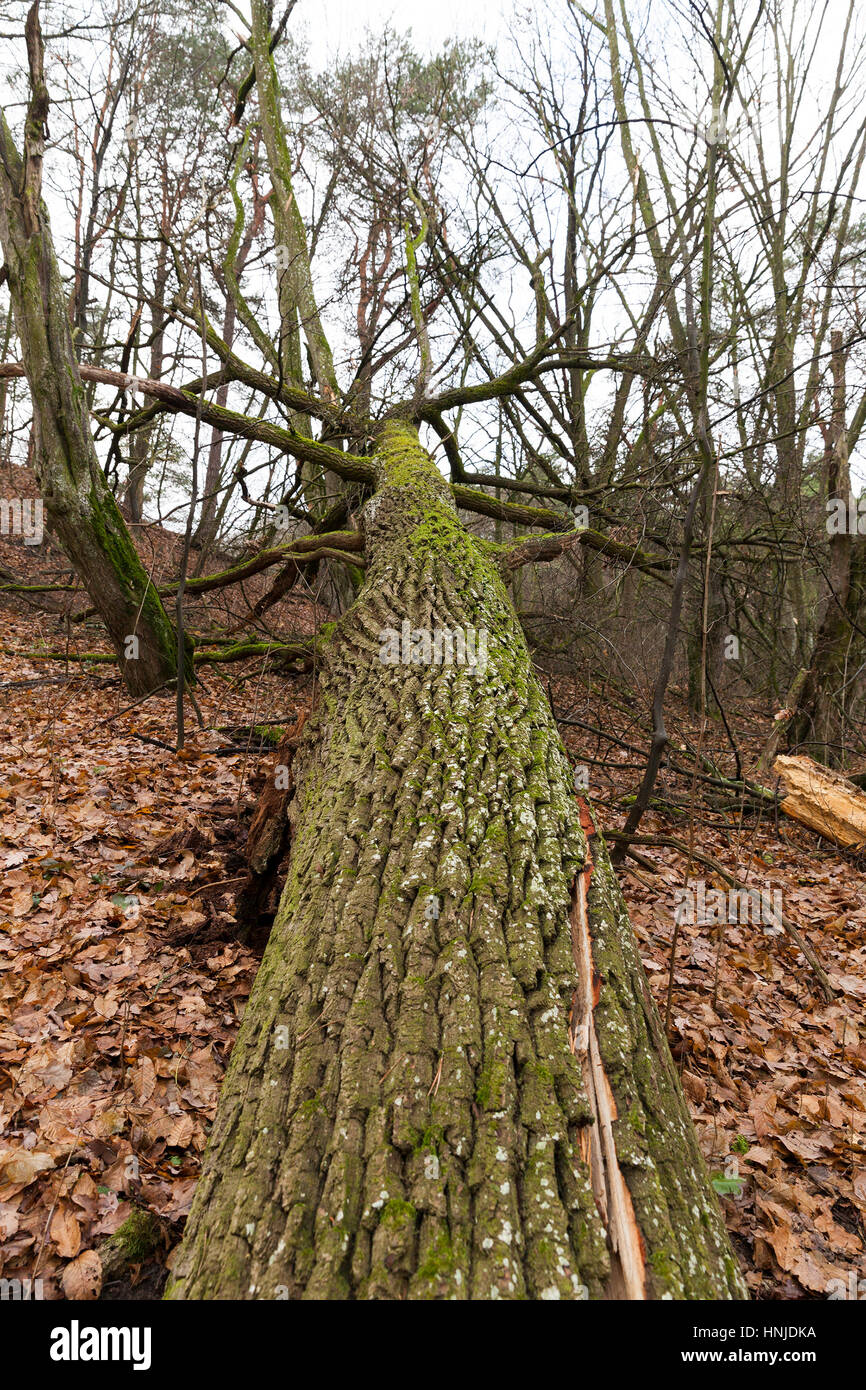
x,y
823,800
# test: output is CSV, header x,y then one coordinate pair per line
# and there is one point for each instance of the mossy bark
x,y
410,1106
134,1241
82,510
300,320
299,312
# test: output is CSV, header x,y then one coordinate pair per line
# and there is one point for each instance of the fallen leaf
x,y
65,1232
23,1165
144,1080
82,1279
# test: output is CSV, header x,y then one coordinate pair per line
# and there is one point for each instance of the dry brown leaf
x,y
23,1165
82,1279
144,1080
694,1087
106,1005
8,1221
179,1135
65,1232
808,1147
762,1110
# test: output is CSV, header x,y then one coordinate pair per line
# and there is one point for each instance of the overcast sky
x,y
333,28
335,23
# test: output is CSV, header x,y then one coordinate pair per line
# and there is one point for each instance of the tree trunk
x,y
81,508
300,321
139,447
830,687
422,1101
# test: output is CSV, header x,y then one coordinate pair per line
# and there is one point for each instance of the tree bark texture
x,y
451,1080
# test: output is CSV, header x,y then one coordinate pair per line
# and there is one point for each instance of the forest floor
x,y
123,978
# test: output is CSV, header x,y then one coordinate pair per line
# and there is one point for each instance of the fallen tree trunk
x,y
823,800
451,1080
81,507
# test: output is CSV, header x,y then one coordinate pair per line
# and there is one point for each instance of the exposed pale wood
x,y
823,800
612,1197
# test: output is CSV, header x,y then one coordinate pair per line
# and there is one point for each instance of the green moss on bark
x,y
403,1115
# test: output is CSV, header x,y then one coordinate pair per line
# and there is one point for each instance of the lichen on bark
x,y
404,1113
